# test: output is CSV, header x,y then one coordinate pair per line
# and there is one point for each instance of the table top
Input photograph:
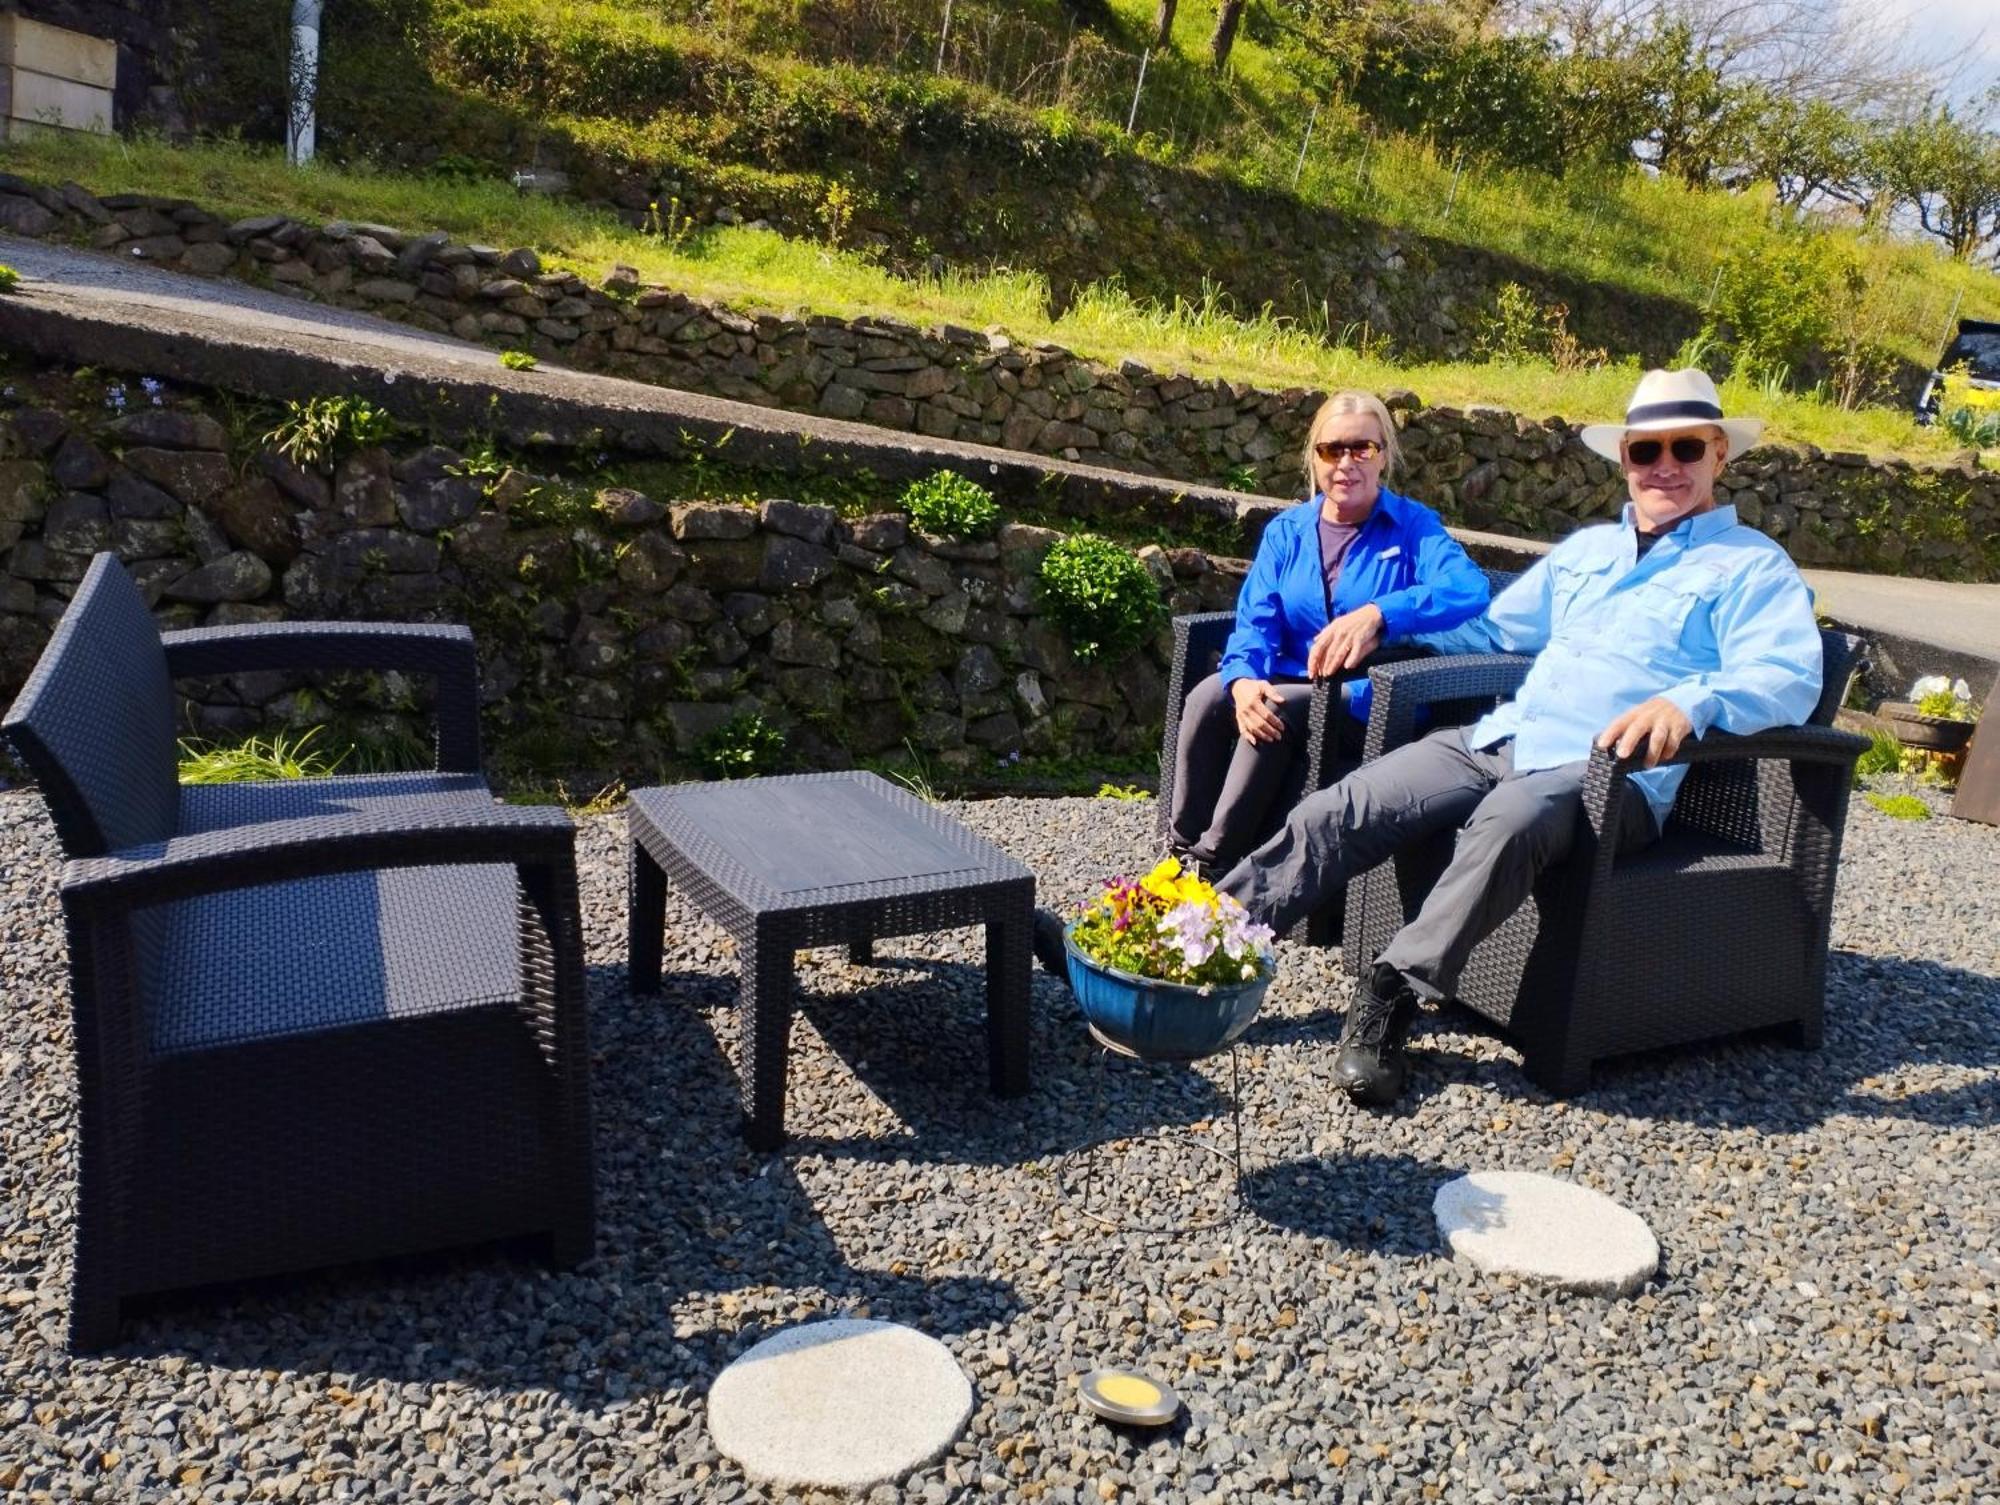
x,y
797,841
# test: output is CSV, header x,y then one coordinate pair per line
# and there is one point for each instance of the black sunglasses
x,y
1687,449
1330,450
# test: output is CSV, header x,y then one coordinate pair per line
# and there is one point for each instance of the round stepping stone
x,y
1540,1228
843,1404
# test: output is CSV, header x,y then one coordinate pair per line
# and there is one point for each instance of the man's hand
x,y
1256,713
1658,726
1345,641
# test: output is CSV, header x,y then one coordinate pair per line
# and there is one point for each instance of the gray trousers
x,y
1510,827
1224,784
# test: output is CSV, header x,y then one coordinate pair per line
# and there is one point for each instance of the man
x,y
1673,621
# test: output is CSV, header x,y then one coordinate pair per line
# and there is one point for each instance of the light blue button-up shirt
x,y
1715,618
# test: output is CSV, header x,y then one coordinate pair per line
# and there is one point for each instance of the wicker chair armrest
x,y
440,650
1323,716
309,846
1400,689
1607,778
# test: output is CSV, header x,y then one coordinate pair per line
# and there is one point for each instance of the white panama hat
x,y
1672,400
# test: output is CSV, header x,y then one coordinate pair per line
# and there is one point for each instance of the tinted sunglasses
x,y
1687,449
1330,450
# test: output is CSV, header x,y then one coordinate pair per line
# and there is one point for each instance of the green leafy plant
x,y
256,759
1241,476
9,279
950,504
1899,806
1950,700
741,748
1123,792
316,433
1099,594
1884,754
518,360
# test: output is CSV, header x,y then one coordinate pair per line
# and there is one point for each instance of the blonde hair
x,y
1354,402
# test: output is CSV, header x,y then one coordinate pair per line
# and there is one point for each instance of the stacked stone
x,y
640,627
1482,467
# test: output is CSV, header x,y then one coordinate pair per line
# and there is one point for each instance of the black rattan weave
x,y
824,859
316,1021
1199,641
1720,926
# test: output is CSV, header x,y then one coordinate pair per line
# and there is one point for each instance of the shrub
x,y
518,360
1099,594
316,433
952,505
741,748
1781,298
9,279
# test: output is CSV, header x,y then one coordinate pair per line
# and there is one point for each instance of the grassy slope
x,y
1623,229
760,269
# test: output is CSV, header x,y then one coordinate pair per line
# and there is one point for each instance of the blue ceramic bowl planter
x,y
1160,1021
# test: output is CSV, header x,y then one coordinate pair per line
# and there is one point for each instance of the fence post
x,y
1133,118
1451,198
943,37
1299,166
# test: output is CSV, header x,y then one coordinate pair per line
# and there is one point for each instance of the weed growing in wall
x,y
316,433
951,505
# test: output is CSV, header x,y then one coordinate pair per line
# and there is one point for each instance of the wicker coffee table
x,y
818,860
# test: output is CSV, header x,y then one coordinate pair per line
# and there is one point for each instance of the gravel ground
x,y
1823,1326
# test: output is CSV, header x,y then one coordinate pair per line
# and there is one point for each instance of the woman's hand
x,y
1256,710
1345,641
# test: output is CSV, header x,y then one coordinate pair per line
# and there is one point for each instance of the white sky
x,y
1955,29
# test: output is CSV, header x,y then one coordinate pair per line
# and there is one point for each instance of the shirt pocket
x,y
1675,604
1574,588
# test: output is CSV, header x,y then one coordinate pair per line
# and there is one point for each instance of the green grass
x,y
1203,336
1899,806
257,759
630,82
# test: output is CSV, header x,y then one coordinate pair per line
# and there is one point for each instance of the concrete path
x,y
92,308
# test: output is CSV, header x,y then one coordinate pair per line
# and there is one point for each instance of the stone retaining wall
x,y
616,631
1482,468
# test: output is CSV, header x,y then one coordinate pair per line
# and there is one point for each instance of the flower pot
x,y
1931,733
1160,1021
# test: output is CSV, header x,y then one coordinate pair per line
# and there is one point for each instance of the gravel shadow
x,y
1379,1204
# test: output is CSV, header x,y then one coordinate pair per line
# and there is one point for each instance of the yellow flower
x,y
1163,882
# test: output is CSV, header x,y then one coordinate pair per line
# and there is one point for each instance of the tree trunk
x,y
1227,17
1163,24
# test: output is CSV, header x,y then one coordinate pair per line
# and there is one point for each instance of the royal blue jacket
x,y
1402,560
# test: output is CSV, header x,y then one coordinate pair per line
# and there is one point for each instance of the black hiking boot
x,y
1371,1066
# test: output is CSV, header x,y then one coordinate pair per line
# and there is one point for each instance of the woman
x,y
1337,576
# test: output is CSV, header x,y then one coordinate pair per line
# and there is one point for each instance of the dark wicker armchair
x,y
1199,640
316,1021
1720,926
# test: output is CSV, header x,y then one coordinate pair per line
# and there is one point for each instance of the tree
x,y
1228,16
1811,149
1163,24
1948,170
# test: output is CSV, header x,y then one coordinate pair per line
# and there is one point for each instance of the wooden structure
x,y
54,78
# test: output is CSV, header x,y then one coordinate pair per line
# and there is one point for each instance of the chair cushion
x,y
333,952
329,953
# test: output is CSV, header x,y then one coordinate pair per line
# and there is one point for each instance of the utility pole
x,y
302,118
